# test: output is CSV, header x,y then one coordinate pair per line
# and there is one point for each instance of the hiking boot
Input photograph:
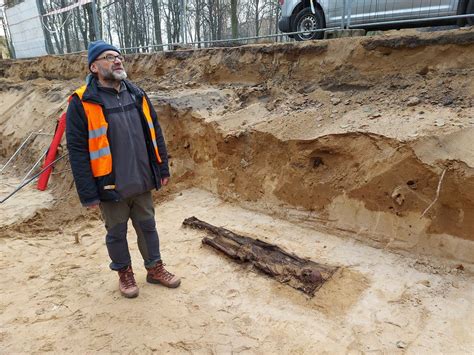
x,y
159,275
127,285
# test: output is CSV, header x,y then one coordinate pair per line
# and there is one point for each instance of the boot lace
x,y
127,279
162,273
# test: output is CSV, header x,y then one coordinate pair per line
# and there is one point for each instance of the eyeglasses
x,y
111,58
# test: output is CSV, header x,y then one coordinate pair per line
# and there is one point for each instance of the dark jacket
x,y
90,189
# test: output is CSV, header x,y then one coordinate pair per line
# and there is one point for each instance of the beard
x,y
112,75
119,76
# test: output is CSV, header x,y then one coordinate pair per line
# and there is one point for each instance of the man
x,y
118,155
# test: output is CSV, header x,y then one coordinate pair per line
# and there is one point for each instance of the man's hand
x,y
165,181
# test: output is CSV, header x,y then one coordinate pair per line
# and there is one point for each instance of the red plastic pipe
x,y
53,148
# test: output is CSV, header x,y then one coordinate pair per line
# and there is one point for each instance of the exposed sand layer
x,y
63,298
333,150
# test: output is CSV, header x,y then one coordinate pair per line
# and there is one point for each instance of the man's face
x,y
109,70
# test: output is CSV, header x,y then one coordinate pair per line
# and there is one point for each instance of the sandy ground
x,y
63,298
23,204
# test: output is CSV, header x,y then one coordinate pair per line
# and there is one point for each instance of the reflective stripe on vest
x,y
99,148
146,111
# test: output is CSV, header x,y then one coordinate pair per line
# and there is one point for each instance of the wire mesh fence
x,y
40,27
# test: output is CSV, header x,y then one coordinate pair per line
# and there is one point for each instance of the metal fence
x,y
33,30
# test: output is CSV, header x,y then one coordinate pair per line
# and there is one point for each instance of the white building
x,y
26,29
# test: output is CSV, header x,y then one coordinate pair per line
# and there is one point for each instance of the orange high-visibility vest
x,y
99,148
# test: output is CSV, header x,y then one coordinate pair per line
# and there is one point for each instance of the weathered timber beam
x,y
302,274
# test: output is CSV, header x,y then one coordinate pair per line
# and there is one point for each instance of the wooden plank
x,y
302,274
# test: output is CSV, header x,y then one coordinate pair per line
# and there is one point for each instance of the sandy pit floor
x,y
23,204
58,294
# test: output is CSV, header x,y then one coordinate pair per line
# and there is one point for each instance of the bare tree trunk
x,y
210,20
257,13
118,24
208,34
234,19
270,17
134,26
45,22
75,33
53,21
189,27
65,16
219,19
57,40
92,34
277,39
99,16
145,16
59,32
167,12
126,28
157,23
83,26
175,20
197,21
109,22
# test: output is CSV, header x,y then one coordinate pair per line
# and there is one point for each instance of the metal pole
x,y
17,151
36,164
31,179
98,35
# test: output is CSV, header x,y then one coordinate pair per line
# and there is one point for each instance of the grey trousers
x,y
141,211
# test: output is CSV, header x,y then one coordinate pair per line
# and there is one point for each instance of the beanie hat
x,y
98,47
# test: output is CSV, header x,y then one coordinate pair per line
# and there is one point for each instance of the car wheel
x,y
470,10
305,20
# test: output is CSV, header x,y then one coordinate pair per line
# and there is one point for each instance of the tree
x,y
92,34
234,18
45,25
172,16
157,23
141,23
65,17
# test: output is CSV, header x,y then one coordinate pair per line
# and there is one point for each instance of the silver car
x,y
310,15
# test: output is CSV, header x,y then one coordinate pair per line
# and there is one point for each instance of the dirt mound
x,y
354,134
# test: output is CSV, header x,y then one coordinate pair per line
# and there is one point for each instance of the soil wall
x,y
350,135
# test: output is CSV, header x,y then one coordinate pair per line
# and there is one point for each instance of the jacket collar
x,y
92,94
